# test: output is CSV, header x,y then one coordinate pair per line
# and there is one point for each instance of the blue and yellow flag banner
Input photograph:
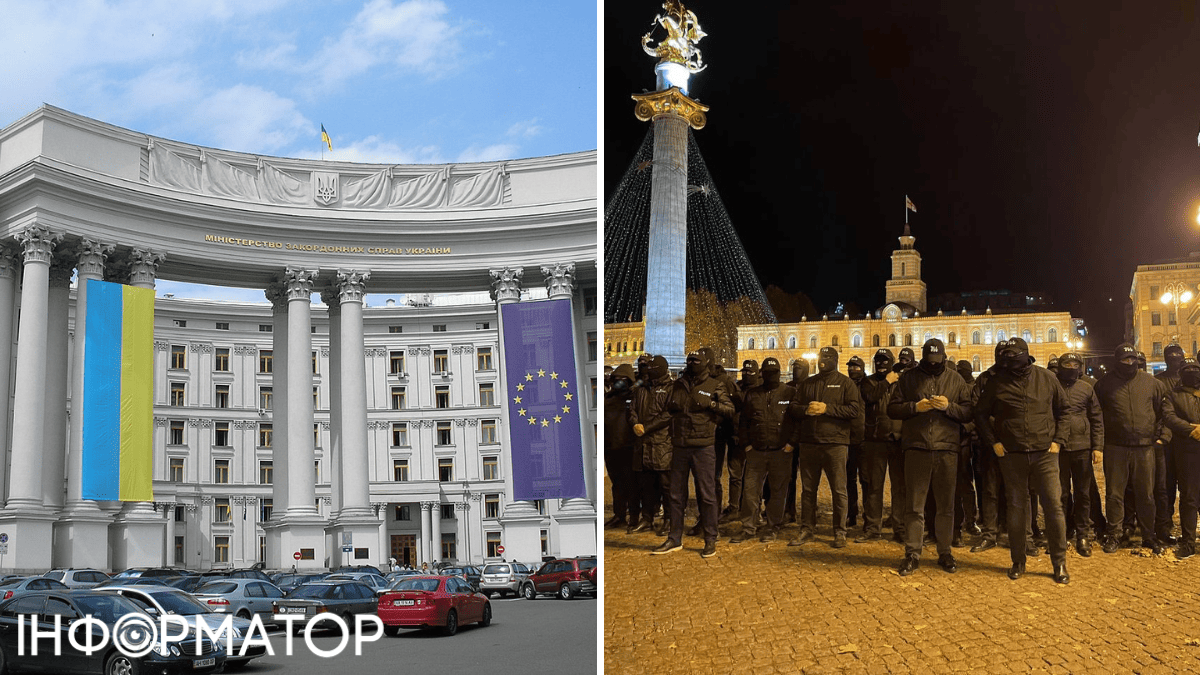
x,y
543,401
325,137
118,393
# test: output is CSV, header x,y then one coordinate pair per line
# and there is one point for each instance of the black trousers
x,y
765,466
923,470
1125,467
815,458
873,466
895,460
619,464
789,509
1164,490
700,461
991,489
724,441
965,510
1076,479
654,486
1099,524
1187,470
853,463
736,459
1037,470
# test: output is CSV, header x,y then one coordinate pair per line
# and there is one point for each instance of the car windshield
x,y
496,569
57,576
587,564
217,588
430,585
179,603
314,591
108,607
9,583
452,570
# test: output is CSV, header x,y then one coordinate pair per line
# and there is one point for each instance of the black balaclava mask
x,y
1000,349
622,379
965,371
855,369
1016,359
1173,355
933,357
906,359
770,373
1070,367
827,360
884,361
1189,373
1052,366
706,355
658,368
697,365
1141,357
643,375
1126,362
799,371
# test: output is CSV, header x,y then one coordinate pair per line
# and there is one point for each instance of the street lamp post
x,y
1174,294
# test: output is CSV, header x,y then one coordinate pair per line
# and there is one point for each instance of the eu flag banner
x,y
543,401
118,393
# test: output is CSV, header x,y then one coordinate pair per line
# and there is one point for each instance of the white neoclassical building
x,y
288,431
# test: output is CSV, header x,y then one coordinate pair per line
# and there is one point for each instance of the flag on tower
x,y
909,205
118,393
325,137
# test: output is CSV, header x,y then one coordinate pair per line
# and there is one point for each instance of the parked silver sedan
x,y
77,578
11,588
373,581
344,598
240,597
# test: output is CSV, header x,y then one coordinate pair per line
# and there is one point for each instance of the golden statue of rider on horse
x,y
683,32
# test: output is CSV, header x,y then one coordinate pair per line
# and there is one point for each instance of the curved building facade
x,y
287,432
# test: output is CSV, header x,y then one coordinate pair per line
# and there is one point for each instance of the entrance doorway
x,y
404,549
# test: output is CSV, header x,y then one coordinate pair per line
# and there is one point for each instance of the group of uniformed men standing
x,y
1029,433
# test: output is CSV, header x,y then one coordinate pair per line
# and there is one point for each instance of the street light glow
x,y
1166,298
1187,295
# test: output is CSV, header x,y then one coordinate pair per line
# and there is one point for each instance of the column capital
x,y
277,295
351,284
428,506
560,279
61,270
38,243
670,102
506,284
91,258
143,266
330,296
8,263
299,282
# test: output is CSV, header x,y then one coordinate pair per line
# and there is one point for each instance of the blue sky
x,y
393,81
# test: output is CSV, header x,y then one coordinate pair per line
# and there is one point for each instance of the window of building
x,y
396,363
221,361
443,433
833,342
975,364
1158,350
395,329
178,357
264,361
589,302
399,434
1001,336
221,434
593,392
908,340
176,433
1171,318
892,340
856,340
439,328
953,338
1155,318
447,511
316,434
491,506
221,471
928,337
491,468
771,343
1027,336
483,357
975,337
264,435
265,328
266,472
812,342
446,469
545,542
266,508
316,397
487,430
540,505
177,393
449,552
875,340
176,470
792,342
441,361
750,343
179,514
404,512
591,346
221,510
314,363
400,470
442,396
493,544
181,323
221,398
397,398
221,550
487,394
317,472
482,325
265,396
1154,292
222,325
1052,335
179,549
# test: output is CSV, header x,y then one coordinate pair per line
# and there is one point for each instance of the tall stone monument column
x,y
277,556
9,266
671,112
54,462
25,518
81,535
137,536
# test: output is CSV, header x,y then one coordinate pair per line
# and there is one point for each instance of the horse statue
x,y
683,32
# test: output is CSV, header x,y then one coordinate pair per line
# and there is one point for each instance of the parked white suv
x,y
77,578
502,578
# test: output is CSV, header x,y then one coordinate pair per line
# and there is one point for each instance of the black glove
x,y
898,368
703,400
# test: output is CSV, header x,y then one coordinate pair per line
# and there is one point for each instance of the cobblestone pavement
x,y
769,608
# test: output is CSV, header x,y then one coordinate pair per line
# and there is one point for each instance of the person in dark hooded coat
x,y
618,447
761,426
856,371
1165,483
799,374
652,450
881,450
1183,417
1084,449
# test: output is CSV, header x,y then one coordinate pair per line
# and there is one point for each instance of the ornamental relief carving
x,y
201,348
245,349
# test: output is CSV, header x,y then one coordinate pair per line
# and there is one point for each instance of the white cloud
x,y
525,129
375,150
250,119
489,153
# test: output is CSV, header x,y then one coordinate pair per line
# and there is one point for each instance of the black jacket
x,y
859,426
649,409
843,404
618,433
1182,411
1084,417
1132,409
761,419
876,393
1025,414
694,419
933,429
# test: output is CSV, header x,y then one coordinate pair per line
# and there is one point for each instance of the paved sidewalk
x,y
769,608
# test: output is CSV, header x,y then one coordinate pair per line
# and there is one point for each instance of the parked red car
x,y
563,578
425,602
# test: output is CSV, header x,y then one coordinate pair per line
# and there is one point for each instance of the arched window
x,y
1001,336
951,340
987,337
975,363
771,343
908,340
792,342
833,341
1052,335
892,340
624,347
750,344
607,348
812,342
875,340
928,337
1027,336
856,340
975,337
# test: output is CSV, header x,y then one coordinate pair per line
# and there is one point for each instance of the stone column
x,y
277,556
576,517
8,301
25,518
303,525
435,533
463,514
334,376
54,461
138,525
426,532
385,548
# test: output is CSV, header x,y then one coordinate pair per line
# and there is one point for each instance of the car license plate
x,y
293,610
403,603
204,663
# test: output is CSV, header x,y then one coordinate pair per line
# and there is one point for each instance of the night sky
x,y
1047,147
